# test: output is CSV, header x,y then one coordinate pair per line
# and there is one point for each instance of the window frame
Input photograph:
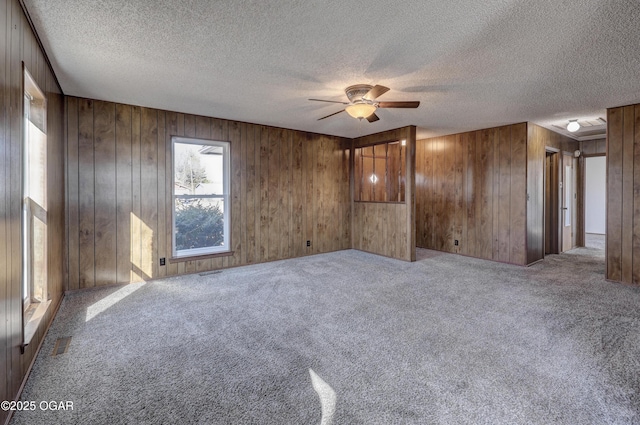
x,y
31,209
35,300
225,248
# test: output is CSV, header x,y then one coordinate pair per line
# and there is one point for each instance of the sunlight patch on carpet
x,y
110,300
327,398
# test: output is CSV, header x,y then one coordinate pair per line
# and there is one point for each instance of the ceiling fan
x,y
362,102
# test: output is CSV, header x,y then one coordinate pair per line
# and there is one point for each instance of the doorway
x,y
551,203
595,201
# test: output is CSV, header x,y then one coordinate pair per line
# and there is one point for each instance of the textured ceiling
x,y
471,64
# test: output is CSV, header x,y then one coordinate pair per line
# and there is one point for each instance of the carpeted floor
x,y
594,240
351,338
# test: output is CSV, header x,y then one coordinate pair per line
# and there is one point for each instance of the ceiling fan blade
x,y
329,101
408,104
375,92
372,118
330,115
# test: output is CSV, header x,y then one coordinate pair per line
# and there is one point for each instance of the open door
x,y
569,202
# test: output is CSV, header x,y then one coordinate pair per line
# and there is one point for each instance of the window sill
x,y
33,322
173,260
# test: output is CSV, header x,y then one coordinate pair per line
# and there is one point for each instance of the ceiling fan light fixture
x,y
573,126
363,104
360,110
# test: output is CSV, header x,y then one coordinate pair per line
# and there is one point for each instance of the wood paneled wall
x,y
538,139
623,194
485,188
19,44
287,187
594,147
387,228
471,187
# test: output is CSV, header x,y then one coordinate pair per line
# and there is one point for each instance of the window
x,y
35,291
200,197
380,172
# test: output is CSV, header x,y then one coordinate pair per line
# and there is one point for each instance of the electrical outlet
x,y
455,242
308,243
162,261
